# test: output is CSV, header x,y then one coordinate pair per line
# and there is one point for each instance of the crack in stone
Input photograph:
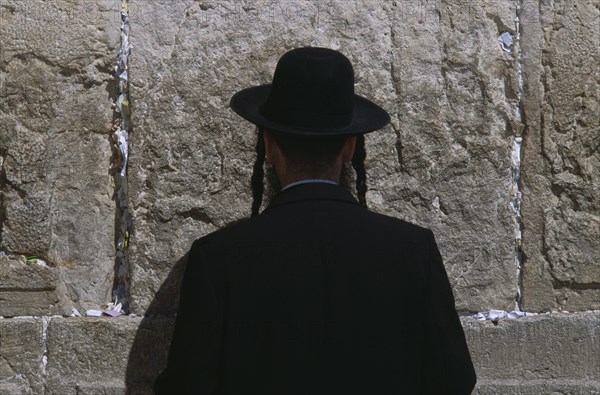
x,y
560,284
3,182
64,70
197,214
29,289
51,220
80,73
399,145
25,387
186,14
500,26
546,80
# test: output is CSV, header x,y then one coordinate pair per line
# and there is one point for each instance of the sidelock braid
x,y
258,174
358,162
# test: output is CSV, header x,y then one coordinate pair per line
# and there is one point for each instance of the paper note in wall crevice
x,y
506,41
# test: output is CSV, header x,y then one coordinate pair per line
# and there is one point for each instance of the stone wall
x,y
57,88
494,144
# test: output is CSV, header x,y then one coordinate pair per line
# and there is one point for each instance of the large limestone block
x,y
106,355
561,160
454,125
56,91
21,356
27,289
89,355
549,346
444,163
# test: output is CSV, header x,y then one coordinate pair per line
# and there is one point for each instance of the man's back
x,y
318,295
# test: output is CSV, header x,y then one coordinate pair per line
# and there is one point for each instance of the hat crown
x,y
312,94
312,88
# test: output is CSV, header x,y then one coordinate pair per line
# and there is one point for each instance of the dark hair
x,y
309,153
303,152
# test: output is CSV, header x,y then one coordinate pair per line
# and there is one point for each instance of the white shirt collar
x,y
309,181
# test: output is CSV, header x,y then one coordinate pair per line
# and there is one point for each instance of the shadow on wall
x,y
148,355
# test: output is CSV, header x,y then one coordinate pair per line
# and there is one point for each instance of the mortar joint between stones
x,y
517,144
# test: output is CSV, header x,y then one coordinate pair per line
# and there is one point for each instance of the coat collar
x,y
312,191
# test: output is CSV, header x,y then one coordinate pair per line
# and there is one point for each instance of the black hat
x,y
312,94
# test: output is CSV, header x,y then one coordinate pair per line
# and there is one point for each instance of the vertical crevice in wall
x,y
44,360
515,205
516,154
120,138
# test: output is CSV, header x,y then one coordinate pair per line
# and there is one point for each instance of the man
x,y
315,295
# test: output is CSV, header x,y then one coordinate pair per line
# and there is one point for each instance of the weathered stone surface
x,y
536,387
450,170
21,352
30,302
555,346
561,159
88,355
148,355
27,289
56,91
445,162
176,161
104,387
17,275
106,355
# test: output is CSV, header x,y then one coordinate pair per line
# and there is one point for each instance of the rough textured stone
x,y
27,289
444,163
21,351
536,387
455,90
561,159
56,90
148,355
104,387
106,355
514,349
17,275
88,355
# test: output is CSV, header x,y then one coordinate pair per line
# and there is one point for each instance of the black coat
x,y
317,295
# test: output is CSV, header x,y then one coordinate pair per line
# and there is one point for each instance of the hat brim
x,y
367,116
